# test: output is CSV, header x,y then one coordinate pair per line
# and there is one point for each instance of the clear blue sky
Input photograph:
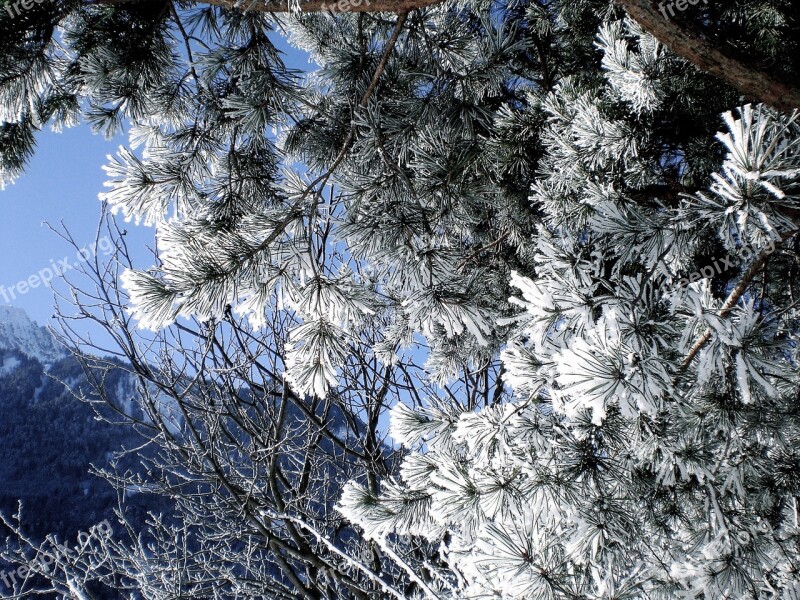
x,y
62,184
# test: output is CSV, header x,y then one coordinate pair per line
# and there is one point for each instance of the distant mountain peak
x,y
18,332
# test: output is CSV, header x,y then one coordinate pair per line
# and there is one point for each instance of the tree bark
x,y
694,47
308,6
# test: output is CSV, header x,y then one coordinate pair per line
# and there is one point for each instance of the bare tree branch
x,y
732,299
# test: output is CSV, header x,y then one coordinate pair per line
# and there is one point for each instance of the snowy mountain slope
x,y
49,439
18,332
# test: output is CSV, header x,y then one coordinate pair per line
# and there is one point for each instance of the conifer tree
x,y
568,232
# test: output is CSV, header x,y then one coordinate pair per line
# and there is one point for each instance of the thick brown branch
x,y
309,6
694,47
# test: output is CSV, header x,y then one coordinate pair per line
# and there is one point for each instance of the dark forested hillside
x,y
49,439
